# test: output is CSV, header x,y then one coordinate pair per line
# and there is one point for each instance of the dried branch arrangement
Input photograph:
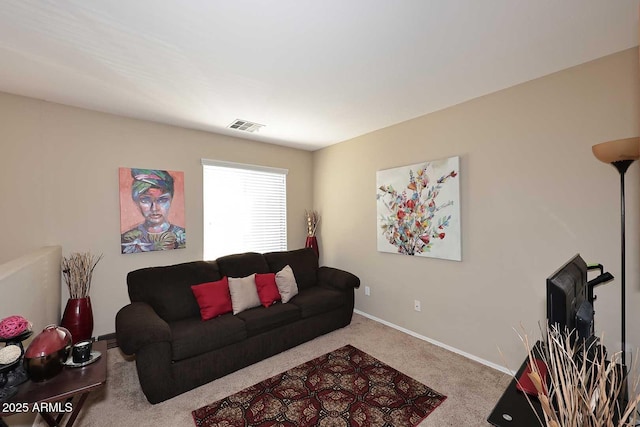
x,y
313,218
77,271
582,394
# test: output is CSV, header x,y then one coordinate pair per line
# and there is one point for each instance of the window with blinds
x,y
244,207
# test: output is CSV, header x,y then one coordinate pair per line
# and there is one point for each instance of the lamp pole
x,y
620,154
622,166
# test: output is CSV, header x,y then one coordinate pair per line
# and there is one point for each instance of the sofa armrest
x,y
336,278
138,325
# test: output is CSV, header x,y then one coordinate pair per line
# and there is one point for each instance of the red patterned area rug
x,y
346,387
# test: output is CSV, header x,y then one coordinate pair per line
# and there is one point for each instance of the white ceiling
x,y
314,72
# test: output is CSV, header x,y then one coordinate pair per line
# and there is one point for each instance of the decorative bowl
x,y
47,353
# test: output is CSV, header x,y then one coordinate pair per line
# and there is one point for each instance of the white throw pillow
x,y
244,294
286,283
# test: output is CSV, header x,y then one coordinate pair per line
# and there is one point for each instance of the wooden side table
x,y
59,391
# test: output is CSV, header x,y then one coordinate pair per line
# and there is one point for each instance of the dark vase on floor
x,y
312,243
78,318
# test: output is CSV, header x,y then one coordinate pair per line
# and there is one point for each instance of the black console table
x,y
513,409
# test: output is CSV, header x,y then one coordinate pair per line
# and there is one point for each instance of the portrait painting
x,y
418,208
152,216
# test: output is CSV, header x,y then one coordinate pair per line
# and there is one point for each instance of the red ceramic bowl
x,y
47,352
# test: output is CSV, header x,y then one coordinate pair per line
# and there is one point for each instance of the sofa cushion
x,y
318,300
192,337
303,262
286,283
167,289
242,265
244,294
267,289
261,319
213,298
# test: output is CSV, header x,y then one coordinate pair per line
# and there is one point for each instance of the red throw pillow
x,y
267,289
213,298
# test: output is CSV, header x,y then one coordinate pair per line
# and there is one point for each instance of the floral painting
x,y
419,209
151,210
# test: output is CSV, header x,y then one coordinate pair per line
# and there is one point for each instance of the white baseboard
x,y
434,342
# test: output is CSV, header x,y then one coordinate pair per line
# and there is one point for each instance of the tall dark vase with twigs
x,y
313,219
78,314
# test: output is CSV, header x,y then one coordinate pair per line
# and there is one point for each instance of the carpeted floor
x,y
472,389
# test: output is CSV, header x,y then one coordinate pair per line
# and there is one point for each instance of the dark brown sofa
x,y
176,351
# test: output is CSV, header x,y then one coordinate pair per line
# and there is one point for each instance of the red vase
x,y
78,318
312,243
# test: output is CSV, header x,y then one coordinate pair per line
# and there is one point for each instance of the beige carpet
x,y
472,389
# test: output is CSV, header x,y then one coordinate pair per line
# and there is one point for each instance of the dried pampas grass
x,y
77,271
582,394
313,218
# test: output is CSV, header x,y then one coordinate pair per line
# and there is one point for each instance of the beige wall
x,y
532,196
59,185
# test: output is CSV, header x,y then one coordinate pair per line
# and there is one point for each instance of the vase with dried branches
x,y
312,218
583,388
77,271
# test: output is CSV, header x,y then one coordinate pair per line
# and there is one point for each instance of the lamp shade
x,y
617,150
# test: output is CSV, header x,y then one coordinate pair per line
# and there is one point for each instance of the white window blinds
x,y
244,208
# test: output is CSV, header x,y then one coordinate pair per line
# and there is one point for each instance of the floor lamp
x,y
620,153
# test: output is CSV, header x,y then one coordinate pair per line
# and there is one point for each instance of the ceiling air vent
x,y
245,126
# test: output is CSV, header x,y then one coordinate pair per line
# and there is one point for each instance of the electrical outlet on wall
x,y
416,305
367,291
